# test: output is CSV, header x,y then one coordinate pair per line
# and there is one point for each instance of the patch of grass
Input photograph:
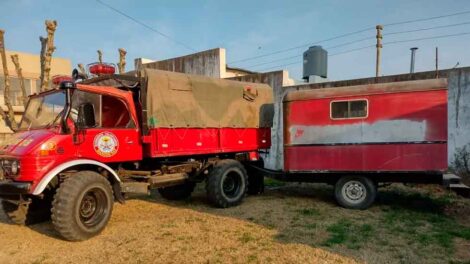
x,y
252,258
311,226
348,233
269,182
424,228
309,212
246,237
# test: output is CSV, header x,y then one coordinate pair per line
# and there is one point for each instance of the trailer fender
x,y
51,174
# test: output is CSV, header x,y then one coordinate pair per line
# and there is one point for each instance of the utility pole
x,y
412,63
437,62
379,47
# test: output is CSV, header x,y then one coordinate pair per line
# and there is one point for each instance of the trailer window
x,y
349,109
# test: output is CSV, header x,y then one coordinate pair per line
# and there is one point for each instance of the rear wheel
x,y
355,192
177,192
28,213
82,206
227,183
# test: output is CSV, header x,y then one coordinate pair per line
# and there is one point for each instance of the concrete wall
x,y
277,80
208,63
458,110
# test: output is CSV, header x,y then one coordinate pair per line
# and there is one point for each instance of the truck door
x,y
115,136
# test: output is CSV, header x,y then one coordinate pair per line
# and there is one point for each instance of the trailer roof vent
x,y
315,63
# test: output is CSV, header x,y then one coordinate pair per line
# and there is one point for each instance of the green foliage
x,y
269,182
461,163
309,212
348,233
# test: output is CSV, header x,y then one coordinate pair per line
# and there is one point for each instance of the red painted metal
x,y
404,131
197,141
57,79
102,68
390,157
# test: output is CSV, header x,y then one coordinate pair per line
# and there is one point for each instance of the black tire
x,y
37,211
255,179
177,192
355,192
227,183
82,206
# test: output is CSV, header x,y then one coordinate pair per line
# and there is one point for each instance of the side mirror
x,y
86,116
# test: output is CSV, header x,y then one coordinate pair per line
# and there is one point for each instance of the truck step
x,y
166,180
450,178
461,189
135,187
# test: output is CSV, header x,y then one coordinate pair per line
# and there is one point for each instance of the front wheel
x,y
227,183
355,192
28,212
82,206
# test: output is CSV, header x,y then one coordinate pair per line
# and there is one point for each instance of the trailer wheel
x,y
227,183
355,192
37,211
177,192
255,179
82,206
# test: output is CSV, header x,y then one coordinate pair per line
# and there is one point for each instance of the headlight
x,y
15,167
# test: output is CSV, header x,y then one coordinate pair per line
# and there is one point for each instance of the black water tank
x,y
315,62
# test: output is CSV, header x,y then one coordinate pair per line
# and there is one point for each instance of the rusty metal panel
x,y
368,89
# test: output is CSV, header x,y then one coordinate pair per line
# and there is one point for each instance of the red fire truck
x,y
84,145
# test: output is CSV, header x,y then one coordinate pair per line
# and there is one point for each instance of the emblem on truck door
x,y
106,144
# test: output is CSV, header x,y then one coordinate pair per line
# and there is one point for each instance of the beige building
x,y
211,63
30,64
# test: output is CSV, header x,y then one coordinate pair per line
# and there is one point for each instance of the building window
x,y
349,109
16,95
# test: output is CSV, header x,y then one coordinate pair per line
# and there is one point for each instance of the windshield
x,y
43,111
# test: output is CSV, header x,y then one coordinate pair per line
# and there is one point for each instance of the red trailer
x,y
356,137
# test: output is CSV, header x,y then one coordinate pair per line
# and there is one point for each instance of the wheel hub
x,y
354,191
231,184
88,206
93,207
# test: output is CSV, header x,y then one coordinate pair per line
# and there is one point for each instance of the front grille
x,y
5,169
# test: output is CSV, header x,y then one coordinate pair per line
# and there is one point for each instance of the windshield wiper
x,y
55,120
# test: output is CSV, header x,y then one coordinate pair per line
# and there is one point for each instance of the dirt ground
x,y
149,230
288,224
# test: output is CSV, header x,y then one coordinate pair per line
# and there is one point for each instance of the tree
x,y
122,60
51,26
9,116
47,49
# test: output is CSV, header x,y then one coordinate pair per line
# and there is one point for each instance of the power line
x,y
426,38
426,19
363,39
304,45
145,25
295,56
351,33
268,62
429,28
351,50
386,43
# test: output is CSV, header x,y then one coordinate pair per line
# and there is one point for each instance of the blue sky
x,y
244,28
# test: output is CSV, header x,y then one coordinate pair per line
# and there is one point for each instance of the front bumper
x,y
14,188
